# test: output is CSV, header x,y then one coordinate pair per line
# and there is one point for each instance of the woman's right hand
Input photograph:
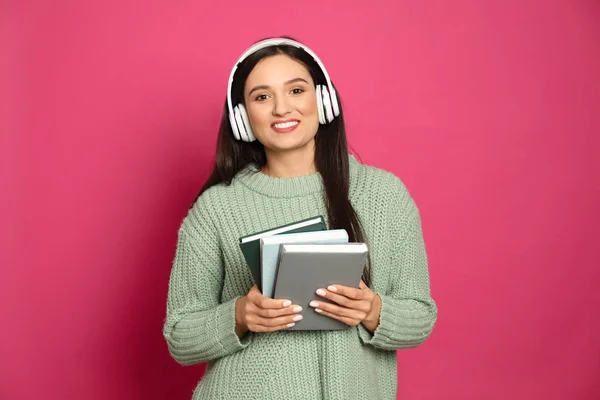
x,y
257,313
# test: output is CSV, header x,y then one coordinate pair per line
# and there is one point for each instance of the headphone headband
x,y
274,42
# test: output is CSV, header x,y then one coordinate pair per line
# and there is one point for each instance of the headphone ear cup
x,y
327,104
247,127
320,105
239,123
334,101
233,123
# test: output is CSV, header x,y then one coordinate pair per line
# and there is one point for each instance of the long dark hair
x,y
331,149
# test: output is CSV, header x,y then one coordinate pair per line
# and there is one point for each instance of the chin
x,y
286,142
280,147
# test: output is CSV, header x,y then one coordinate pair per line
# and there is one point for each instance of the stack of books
x,y
294,260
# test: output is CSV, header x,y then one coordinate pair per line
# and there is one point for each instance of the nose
x,y
281,106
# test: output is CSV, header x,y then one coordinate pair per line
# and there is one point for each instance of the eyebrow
x,y
260,87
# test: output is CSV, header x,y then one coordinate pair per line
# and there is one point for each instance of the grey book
x,y
304,268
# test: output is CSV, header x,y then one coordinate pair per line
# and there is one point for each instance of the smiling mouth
x,y
284,127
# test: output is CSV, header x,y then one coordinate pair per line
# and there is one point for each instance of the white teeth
x,y
285,125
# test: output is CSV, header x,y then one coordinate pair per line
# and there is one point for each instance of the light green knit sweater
x,y
209,273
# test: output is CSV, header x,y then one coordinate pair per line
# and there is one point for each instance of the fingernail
x,y
313,304
320,292
297,309
332,288
287,303
297,318
318,310
290,324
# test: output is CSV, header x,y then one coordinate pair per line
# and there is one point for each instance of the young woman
x,y
282,157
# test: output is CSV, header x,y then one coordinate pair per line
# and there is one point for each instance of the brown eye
x,y
261,97
297,91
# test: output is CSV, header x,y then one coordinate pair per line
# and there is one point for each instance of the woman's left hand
x,y
353,306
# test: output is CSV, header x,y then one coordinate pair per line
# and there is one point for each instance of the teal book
x,y
250,244
270,245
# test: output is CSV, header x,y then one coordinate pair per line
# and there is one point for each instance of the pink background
x,y
487,110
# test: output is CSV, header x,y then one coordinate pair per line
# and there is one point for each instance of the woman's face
x,y
281,104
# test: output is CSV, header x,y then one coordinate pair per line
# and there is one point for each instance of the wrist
x,y
372,319
240,324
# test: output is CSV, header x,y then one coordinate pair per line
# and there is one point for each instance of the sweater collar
x,y
298,186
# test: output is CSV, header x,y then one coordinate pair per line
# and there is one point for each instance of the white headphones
x,y
326,97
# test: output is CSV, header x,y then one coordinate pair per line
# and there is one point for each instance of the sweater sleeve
x,y
408,313
198,326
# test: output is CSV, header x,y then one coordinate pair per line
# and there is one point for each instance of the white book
x,y
269,251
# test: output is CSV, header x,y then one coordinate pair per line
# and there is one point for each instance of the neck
x,y
289,164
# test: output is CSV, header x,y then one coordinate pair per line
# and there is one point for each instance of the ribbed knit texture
x,y
209,273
